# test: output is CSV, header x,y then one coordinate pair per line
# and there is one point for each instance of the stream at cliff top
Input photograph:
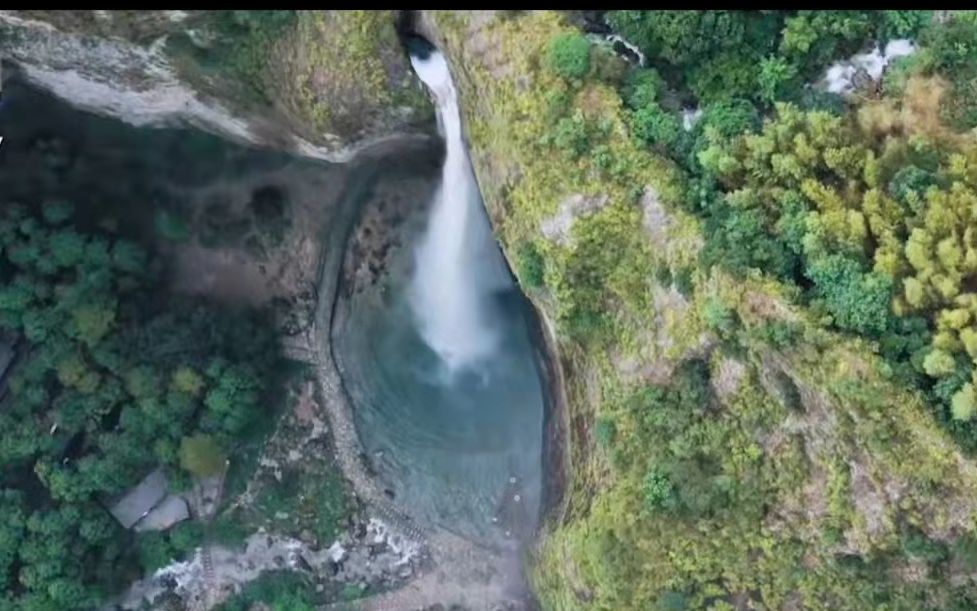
x,y
434,345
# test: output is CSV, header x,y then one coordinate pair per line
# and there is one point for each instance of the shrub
x,y
965,551
571,135
903,24
530,265
858,301
604,431
811,98
201,455
643,88
718,317
909,184
776,75
656,127
659,491
57,211
154,550
683,281
920,546
727,75
186,536
280,590
672,601
954,45
229,529
569,56
609,67
731,117
777,333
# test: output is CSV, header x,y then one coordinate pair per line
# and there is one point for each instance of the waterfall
x,y
458,266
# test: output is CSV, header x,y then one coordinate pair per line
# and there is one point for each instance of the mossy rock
x,y
136,26
333,77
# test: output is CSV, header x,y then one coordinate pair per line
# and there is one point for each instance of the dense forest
x,y
111,379
864,209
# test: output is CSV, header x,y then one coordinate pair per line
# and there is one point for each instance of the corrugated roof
x,y
140,500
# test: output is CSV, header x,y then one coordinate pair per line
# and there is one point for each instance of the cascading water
x,y
435,350
458,267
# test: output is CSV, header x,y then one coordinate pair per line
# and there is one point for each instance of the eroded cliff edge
x,y
323,84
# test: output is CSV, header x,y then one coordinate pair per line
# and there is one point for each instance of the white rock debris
x,y
840,77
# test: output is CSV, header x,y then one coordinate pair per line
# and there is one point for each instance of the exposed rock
x,y
870,499
656,219
557,228
728,377
133,83
340,79
336,552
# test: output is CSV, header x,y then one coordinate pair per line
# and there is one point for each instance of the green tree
x,y
938,363
530,265
155,550
858,301
964,403
12,532
719,318
58,211
643,88
232,399
201,455
187,381
776,76
91,322
656,127
84,418
569,56
659,491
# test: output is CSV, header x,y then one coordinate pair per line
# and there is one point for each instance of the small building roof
x,y
140,500
171,510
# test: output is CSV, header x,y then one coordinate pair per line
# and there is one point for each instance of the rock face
x,y
320,83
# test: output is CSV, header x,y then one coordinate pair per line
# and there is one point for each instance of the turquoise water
x,y
456,449
438,362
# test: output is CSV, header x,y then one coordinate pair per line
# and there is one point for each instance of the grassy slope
x,y
830,458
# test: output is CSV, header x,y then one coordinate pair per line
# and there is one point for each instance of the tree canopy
x,y
110,382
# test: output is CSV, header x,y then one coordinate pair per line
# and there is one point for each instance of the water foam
x,y
458,266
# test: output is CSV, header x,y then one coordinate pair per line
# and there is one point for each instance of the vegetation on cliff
x,y
765,318
333,74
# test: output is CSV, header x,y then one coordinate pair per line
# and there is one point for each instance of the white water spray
x,y
458,264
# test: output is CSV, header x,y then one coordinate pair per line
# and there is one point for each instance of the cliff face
x,y
792,444
321,83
